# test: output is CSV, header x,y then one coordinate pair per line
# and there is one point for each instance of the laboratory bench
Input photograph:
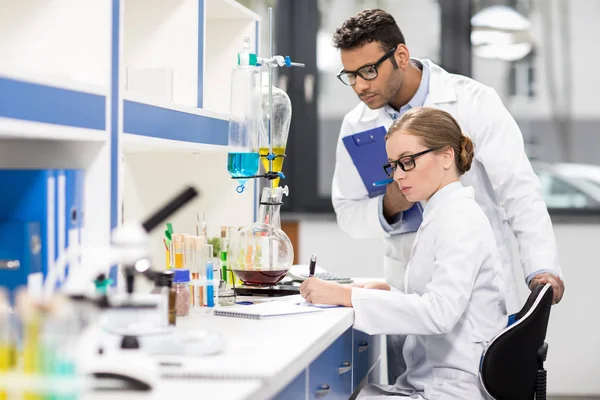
x,y
306,356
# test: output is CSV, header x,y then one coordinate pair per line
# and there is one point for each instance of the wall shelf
x,y
172,122
51,105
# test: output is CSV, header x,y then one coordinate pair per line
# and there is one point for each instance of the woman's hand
x,y
317,291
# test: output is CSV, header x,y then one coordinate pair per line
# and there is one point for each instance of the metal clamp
x,y
10,264
323,390
346,367
363,346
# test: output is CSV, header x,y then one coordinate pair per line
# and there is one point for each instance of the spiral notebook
x,y
265,310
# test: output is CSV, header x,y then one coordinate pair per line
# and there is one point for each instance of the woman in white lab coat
x,y
452,303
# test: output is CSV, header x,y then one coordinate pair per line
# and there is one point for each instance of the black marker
x,y
313,264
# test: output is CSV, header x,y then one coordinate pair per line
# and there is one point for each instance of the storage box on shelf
x,y
161,49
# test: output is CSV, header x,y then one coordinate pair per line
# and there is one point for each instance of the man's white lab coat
x,y
504,182
452,305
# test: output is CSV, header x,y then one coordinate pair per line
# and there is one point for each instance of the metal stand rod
x,y
270,126
270,118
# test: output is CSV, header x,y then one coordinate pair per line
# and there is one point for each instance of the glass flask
x,y
262,254
280,125
244,117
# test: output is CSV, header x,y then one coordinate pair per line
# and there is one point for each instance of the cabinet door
x,y
330,375
363,347
296,390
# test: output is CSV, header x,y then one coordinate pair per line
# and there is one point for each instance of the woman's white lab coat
x,y
453,301
505,185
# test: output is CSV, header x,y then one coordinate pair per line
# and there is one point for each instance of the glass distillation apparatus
x,y
262,254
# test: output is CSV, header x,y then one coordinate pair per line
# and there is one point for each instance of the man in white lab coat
x,y
377,65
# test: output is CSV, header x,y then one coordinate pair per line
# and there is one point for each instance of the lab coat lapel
x,y
441,90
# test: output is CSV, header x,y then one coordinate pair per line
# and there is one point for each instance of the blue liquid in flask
x,y
242,164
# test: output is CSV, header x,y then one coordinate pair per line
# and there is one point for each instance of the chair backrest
x,y
510,361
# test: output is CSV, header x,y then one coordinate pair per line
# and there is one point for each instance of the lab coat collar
x,y
440,91
442,195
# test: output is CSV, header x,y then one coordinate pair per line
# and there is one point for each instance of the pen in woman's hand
x,y
313,264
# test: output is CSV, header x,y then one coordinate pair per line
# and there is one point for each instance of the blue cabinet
x,y
338,371
295,390
363,348
20,253
330,375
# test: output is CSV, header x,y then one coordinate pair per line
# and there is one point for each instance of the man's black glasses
x,y
367,72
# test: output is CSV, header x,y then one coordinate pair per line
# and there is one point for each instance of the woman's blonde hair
x,y
437,129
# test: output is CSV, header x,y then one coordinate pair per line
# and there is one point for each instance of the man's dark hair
x,y
373,25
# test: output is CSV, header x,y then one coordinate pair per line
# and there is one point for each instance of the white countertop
x,y
260,359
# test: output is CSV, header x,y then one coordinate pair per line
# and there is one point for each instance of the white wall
x,y
583,32
60,41
574,349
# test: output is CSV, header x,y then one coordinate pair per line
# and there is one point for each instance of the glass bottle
x,y
244,117
280,126
181,284
262,254
162,286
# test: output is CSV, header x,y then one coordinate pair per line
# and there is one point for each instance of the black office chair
x,y
512,365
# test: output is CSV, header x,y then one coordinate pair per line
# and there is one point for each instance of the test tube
x,y
62,330
189,262
7,349
171,254
223,255
200,242
31,349
210,288
178,239
167,254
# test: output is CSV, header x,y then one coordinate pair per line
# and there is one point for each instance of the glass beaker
x,y
262,255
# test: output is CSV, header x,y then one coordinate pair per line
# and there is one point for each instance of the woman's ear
x,y
448,155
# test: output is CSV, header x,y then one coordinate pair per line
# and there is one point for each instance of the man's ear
x,y
402,56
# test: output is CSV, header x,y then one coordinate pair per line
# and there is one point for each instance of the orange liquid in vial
x,y
200,298
178,260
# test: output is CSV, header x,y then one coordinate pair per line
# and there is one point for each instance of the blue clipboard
x,y
367,150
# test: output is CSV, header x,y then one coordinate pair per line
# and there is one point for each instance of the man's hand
x,y
557,285
394,201
318,291
377,285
